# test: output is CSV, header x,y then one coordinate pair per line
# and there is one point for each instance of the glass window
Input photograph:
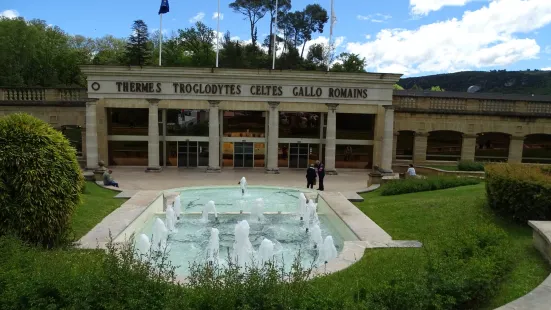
x,y
354,156
203,154
355,126
259,154
130,122
299,125
227,154
127,153
187,123
244,124
172,153
283,155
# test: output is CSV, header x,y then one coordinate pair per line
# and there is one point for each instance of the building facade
x,y
276,120
225,118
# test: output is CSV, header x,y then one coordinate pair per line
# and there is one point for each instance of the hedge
x,y
414,185
469,165
40,181
519,192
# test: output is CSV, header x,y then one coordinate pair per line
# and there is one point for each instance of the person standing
x,y
321,175
310,176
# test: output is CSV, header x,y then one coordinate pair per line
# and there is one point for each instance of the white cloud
x,y
375,18
9,14
546,69
235,38
424,7
197,18
368,36
215,15
483,38
547,49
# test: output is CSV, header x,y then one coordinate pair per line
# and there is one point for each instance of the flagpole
x,y
330,38
218,35
160,38
274,46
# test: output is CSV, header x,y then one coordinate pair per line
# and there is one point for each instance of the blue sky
x,y
415,37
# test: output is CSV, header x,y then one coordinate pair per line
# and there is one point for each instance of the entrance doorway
x,y
300,155
193,154
243,155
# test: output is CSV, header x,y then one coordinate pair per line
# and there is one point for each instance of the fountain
x,y
143,245
243,184
311,217
177,207
329,250
315,236
257,211
171,220
242,247
209,207
213,247
301,205
160,234
265,252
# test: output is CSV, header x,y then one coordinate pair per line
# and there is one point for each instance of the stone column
x,y
388,134
322,124
165,155
331,139
214,137
468,147
420,147
91,136
273,136
516,147
153,137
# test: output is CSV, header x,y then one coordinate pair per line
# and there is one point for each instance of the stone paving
x,y
134,178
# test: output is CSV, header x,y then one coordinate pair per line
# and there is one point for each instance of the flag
x,y
164,7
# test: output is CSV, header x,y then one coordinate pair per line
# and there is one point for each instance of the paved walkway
x,y
133,178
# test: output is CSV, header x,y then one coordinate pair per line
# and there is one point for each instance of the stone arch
x,y
537,148
405,144
492,146
444,145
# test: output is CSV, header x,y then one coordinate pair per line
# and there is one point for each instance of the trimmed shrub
x,y
519,192
40,181
414,185
469,165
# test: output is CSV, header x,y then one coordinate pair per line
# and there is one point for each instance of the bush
x,y
40,182
413,185
519,192
469,165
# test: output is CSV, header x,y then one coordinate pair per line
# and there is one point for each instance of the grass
x,y
427,217
97,203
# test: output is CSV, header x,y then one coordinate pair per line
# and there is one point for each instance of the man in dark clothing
x,y
321,175
310,176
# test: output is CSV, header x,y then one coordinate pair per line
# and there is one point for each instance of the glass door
x,y
188,154
243,155
298,155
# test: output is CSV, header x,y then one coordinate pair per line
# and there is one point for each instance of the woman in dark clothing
x,y
321,175
310,177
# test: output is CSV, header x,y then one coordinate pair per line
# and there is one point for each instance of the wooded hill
x,y
508,82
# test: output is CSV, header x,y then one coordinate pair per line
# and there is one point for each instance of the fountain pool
x,y
279,228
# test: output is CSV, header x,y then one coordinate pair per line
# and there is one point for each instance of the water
x,y
230,199
191,241
256,235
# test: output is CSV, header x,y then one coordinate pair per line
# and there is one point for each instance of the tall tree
x,y
315,18
198,40
109,51
138,46
317,54
253,10
349,63
283,6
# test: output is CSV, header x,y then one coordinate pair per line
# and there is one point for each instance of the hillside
x,y
507,82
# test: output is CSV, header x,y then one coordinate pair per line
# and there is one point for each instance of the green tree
x,y
349,63
198,42
283,6
40,181
315,18
109,50
138,46
436,88
317,55
397,87
253,10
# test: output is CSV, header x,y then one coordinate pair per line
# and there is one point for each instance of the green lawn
x,y
427,217
97,203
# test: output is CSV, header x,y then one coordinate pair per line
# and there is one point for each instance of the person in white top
x,y
411,171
